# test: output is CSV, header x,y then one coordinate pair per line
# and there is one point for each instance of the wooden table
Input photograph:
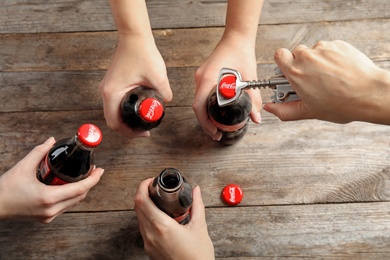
x,y
312,189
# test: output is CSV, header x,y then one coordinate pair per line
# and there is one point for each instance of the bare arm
x,y
136,62
236,50
131,17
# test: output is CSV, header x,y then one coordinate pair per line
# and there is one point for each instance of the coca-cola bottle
x,y
172,194
232,119
70,159
142,108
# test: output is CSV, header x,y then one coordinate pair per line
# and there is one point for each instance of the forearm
x,y
242,19
131,17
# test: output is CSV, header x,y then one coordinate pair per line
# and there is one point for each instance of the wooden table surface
x,y
312,189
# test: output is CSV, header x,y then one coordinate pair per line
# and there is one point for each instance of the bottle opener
x,y
283,92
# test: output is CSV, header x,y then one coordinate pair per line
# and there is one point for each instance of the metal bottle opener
x,y
283,92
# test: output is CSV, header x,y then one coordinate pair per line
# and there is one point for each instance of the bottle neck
x,y
169,185
82,145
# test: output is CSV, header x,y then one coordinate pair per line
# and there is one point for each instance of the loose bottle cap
x,y
232,194
151,109
227,86
89,135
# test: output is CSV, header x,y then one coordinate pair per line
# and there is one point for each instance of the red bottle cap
x,y
89,135
232,194
151,109
227,86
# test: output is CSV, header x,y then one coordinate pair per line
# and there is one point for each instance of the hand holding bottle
x,y
236,50
136,62
22,195
165,238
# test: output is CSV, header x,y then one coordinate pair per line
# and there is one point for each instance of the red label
x,y
45,174
57,181
182,217
229,128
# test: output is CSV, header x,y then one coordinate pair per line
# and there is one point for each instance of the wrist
x,y
131,17
242,19
379,99
239,39
144,38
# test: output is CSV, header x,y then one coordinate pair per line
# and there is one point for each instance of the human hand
x,y
22,195
136,62
163,237
336,83
231,53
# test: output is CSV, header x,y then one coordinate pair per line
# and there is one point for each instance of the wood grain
x,y
17,16
78,90
93,51
277,163
326,231
312,189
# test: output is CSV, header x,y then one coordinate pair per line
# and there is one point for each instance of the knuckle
x,y
48,214
278,54
195,105
138,200
81,190
46,201
319,44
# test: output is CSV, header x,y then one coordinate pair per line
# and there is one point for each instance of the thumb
x,y
41,150
197,210
295,110
256,105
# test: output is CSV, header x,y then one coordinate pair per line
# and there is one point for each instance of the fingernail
x,y
266,107
217,138
50,140
258,117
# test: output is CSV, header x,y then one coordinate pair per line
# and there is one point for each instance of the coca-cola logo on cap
x,y
151,109
227,86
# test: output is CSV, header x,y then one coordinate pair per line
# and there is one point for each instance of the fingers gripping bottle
x,y
172,194
142,108
231,120
71,159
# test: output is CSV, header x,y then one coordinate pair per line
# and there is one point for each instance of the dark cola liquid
x,y
172,194
66,162
231,120
130,108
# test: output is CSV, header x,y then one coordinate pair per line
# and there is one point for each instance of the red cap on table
x,y
232,194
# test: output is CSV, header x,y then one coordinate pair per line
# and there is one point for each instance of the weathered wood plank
x,y
276,163
76,90
181,47
17,16
353,231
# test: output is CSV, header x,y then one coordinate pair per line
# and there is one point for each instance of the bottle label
x,y
46,175
182,217
229,128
